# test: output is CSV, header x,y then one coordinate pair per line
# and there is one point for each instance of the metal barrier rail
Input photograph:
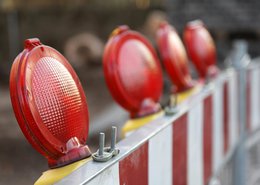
x,y
186,148
238,167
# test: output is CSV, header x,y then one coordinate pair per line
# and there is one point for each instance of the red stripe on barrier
x,y
207,137
248,99
225,117
134,168
180,137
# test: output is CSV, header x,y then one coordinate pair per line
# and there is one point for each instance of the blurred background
x,y
79,29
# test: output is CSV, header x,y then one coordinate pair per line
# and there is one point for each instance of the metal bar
x,y
241,61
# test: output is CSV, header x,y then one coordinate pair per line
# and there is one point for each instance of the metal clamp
x,y
104,154
171,108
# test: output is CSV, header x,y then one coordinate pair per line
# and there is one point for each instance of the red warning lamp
x,y
132,72
201,48
49,104
174,57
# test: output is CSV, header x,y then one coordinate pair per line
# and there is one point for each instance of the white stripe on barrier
x,y
233,109
160,158
107,177
217,125
195,145
255,99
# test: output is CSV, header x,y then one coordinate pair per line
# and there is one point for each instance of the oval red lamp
x,y
49,104
132,72
201,48
174,57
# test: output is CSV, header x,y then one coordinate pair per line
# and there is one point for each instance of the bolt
x,y
113,138
175,100
101,144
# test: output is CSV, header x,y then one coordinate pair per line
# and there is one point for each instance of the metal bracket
x,y
104,154
171,108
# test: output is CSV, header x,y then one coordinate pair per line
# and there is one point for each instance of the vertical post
x,y
240,60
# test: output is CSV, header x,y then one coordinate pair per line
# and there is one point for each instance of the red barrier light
x,y
49,104
133,73
201,48
174,57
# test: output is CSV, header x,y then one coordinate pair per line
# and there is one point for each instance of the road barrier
x,y
202,139
190,147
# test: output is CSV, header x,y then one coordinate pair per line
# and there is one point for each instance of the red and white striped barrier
x,y
186,148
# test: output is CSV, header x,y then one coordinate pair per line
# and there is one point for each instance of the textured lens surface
x,y
58,100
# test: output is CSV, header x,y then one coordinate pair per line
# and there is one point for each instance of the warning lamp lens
x,y
174,57
57,100
132,71
200,47
50,104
